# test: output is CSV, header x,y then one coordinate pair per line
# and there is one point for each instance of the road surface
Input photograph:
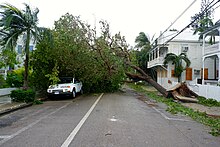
x,y
102,120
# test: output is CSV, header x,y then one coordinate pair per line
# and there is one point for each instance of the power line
x,y
176,19
197,17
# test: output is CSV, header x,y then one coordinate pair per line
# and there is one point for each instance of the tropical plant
x,y
177,60
3,83
15,23
142,41
15,78
204,20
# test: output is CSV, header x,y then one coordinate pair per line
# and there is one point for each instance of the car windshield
x,y
65,80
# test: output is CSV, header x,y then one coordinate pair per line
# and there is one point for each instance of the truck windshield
x,y
65,80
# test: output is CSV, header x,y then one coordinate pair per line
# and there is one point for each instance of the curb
x,y
17,107
4,95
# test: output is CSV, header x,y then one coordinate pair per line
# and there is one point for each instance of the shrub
x,y
23,95
16,78
3,83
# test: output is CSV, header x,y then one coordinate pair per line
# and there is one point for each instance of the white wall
x,y
207,91
6,91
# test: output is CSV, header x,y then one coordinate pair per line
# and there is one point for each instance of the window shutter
x,y
189,74
172,73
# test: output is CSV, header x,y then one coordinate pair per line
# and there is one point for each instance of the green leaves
x,y
142,41
176,60
15,23
78,52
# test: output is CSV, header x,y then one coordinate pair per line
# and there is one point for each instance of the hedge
x,y
23,95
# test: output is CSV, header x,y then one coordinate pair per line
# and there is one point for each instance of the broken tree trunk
x,y
148,79
182,93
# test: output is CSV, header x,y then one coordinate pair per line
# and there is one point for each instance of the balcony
x,y
155,62
211,49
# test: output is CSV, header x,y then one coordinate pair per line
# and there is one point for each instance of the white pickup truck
x,y
67,86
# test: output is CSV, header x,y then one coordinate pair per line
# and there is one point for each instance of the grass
x,y
174,108
208,102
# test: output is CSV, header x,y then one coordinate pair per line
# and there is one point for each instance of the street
x,y
109,120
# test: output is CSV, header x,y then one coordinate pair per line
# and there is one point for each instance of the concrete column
x,y
218,58
203,59
158,52
218,68
219,39
203,70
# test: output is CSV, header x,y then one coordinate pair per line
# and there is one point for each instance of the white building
x,y
209,86
184,42
19,49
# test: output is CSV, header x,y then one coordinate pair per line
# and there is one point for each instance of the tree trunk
x,y
179,79
25,86
148,79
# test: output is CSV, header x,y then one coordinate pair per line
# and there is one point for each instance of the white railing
x,y
155,62
211,49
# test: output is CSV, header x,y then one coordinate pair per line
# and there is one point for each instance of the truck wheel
x,y
81,91
73,94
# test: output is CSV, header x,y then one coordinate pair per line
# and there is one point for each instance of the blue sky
x,y
127,16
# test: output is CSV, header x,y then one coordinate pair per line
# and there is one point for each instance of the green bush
x,y
3,83
16,78
23,95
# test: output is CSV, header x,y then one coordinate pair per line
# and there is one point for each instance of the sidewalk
x,y
10,107
210,111
6,106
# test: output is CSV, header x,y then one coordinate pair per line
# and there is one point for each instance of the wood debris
x,y
181,92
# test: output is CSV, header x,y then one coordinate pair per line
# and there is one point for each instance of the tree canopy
x,y
81,52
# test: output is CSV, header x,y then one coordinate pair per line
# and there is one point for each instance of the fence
x,y
208,91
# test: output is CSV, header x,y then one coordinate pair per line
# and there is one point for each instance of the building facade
x,y
185,42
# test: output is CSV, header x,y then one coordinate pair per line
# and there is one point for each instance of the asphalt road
x,y
109,120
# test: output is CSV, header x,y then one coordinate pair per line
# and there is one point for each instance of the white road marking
x,y
168,118
30,125
82,121
5,136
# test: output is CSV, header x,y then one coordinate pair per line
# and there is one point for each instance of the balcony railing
x,y
211,49
156,62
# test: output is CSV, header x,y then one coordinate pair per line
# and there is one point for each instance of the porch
x,y
211,56
156,56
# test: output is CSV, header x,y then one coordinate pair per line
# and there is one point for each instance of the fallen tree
x,y
112,53
181,92
144,76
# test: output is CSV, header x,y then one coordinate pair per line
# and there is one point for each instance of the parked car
x,y
67,86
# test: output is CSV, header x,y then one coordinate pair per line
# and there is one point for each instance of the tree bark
x,y
148,79
25,86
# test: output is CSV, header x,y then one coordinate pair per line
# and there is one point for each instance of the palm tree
x,y
177,61
203,20
15,23
142,41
